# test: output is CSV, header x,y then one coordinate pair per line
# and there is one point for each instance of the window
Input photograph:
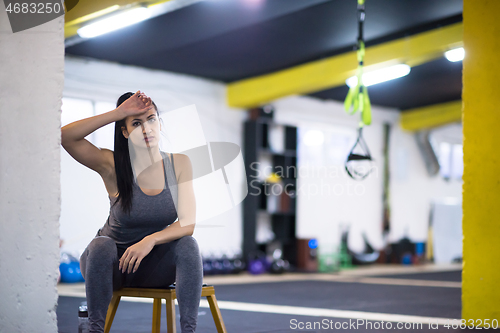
x,y
74,109
105,136
450,156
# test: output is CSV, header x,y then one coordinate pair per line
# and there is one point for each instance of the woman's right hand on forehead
x,y
136,104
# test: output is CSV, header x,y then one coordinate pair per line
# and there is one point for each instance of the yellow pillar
x,y
481,186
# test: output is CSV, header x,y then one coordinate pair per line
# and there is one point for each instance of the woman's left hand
x,y
133,255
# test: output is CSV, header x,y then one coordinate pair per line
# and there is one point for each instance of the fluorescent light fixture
x,y
381,75
114,22
455,54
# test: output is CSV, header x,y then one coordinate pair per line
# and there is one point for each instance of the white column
x,y
31,84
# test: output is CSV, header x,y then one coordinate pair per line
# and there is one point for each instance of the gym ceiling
x,y
267,49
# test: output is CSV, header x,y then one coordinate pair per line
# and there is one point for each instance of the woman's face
x,y
143,130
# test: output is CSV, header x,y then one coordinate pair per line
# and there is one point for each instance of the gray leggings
x,y
177,261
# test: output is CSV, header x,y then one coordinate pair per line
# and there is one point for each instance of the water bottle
x,y
83,318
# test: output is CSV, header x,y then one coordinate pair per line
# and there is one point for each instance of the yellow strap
x,y
357,98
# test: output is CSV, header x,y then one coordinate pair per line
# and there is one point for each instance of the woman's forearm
x,y
170,233
80,129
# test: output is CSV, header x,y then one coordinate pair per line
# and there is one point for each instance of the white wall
x,y
85,205
412,190
358,204
333,200
31,83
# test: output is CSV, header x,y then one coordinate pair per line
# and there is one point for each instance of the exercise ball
x,y
238,266
70,272
217,267
207,267
256,267
227,266
278,266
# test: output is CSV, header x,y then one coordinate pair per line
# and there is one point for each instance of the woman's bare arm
x,y
74,142
186,205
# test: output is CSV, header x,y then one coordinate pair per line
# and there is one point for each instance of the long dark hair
x,y
123,167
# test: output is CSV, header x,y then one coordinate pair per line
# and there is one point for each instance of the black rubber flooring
x,y
452,276
406,300
136,318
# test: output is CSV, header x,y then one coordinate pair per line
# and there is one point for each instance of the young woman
x,y
147,239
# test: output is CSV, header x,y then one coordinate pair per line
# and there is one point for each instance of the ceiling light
x,y
455,54
381,75
114,22
253,3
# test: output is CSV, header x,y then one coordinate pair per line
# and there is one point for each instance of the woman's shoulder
x,y
176,157
182,156
181,162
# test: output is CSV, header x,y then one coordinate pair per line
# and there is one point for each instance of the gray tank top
x,y
149,213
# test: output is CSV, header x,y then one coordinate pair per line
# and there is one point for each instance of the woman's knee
x,y
187,246
103,247
101,250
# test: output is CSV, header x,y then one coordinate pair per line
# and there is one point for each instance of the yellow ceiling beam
x,y
333,71
85,11
431,116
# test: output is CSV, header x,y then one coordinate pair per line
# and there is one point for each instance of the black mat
x,y
452,276
136,318
407,300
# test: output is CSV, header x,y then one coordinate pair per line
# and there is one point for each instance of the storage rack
x,y
283,215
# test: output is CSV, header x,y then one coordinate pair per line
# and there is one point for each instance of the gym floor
x,y
377,298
